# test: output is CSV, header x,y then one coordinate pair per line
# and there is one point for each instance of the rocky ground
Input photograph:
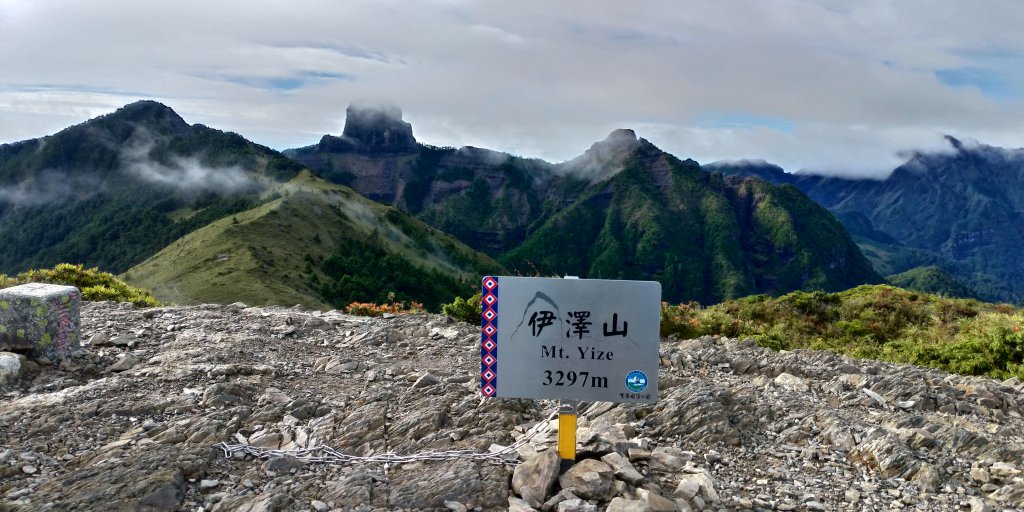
x,y
132,423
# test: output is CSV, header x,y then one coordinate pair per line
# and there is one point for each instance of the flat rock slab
x,y
41,319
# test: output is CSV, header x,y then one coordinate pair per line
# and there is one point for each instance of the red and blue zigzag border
x,y
489,336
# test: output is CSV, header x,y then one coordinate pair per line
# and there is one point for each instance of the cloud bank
x,y
51,187
807,84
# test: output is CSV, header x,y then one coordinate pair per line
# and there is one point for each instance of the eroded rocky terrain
x,y
132,422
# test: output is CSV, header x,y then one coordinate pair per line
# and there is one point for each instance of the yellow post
x,y
567,434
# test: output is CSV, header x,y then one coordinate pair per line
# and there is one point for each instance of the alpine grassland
x,y
879,322
317,244
870,322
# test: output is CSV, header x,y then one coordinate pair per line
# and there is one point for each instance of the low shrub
x,y
394,308
92,283
464,310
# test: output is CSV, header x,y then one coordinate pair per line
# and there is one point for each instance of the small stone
x,y
562,495
589,479
620,504
978,505
123,341
852,496
791,382
623,468
29,469
669,457
697,485
875,396
657,502
283,465
712,457
1004,470
427,379
100,339
532,480
514,505
208,484
455,506
576,505
12,367
124,364
638,454
687,488
927,478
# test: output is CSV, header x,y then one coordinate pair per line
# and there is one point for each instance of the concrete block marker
x,y
41,320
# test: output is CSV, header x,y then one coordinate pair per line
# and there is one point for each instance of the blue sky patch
x,y
284,83
996,84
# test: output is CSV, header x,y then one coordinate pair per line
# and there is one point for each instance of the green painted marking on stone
x,y
4,304
65,299
41,311
45,340
3,328
35,302
21,333
42,323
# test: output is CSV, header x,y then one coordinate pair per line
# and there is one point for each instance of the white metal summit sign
x,y
570,339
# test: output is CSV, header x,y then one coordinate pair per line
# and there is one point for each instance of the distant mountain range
x,y
201,215
961,210
623,210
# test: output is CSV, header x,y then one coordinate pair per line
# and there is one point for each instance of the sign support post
x,y
567,433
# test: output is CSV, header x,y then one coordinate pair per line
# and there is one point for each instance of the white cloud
x,y
51,186
854,83
186,173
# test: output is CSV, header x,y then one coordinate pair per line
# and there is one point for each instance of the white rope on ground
x,y
324,454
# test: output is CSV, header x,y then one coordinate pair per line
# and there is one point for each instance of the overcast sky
x,y
806,84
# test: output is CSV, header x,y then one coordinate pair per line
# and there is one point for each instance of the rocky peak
x,y
953,141
604,158
150,114
378,128
619,142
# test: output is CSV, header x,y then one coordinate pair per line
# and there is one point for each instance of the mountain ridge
x,y
961,209
515,210
278,252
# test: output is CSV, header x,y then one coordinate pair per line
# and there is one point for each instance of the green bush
x,y
880,322
93,284
464,310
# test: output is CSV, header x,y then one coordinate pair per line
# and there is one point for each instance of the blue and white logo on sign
x,y
636,381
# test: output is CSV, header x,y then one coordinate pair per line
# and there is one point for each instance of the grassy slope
x,y
260,256
932,279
